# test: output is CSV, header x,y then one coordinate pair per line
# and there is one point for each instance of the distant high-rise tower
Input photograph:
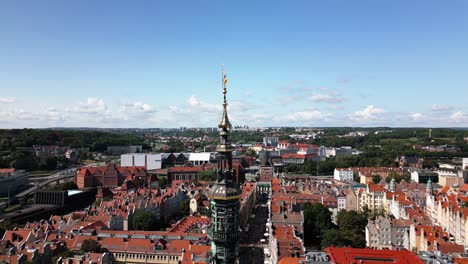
x,y
430,132
224,198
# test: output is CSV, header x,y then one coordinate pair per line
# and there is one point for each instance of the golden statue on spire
x,y
225,124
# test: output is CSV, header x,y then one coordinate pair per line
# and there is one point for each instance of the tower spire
x,y
225,124
224,197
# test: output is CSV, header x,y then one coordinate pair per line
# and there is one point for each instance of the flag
x,y
225,80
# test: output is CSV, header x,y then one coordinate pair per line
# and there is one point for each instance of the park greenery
x,y
16,145
144,220
382,149
319,230
64,186
349,230
91,246
380,146
95,140
207,175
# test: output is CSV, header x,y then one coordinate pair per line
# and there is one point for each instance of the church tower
x,y
224,198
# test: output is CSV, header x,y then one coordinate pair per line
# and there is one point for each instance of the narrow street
x,y
253,240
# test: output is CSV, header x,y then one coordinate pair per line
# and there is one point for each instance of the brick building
x,y
110,176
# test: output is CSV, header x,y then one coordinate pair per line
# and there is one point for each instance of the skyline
x,y
115,64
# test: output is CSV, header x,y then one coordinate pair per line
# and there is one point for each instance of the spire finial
x,y
225,124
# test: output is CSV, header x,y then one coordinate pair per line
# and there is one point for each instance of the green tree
x,y
143,220
376,179
4,226
90,245
350,220
162,181
184,208
350,232
356,177
69,186
207,175
343,238
317,219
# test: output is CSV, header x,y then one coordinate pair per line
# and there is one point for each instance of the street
x,y
253,240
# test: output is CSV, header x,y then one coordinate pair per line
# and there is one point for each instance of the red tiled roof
x,y
186,169
21,235
371,256
464,188
445,189
297,156
178,245
303,145
139,245
448,248
290,260
376,188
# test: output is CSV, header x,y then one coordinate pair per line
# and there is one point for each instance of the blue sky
x,y
289,63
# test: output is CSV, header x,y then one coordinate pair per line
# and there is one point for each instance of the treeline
x,y
23,160
400,141
16,145
95,140
247,136
327,166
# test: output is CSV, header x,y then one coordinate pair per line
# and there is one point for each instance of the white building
x,y
333,152
465,164
422,176
149,160
341,174
202,158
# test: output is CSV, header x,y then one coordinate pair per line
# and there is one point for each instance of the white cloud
x,y
417,116
91,105
137,107
200,105
331,98
440,108
32,118
306,116
459,117
369,113
7,100
239,106
193,101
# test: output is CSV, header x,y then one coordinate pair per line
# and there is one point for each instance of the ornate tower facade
x,y
224,198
